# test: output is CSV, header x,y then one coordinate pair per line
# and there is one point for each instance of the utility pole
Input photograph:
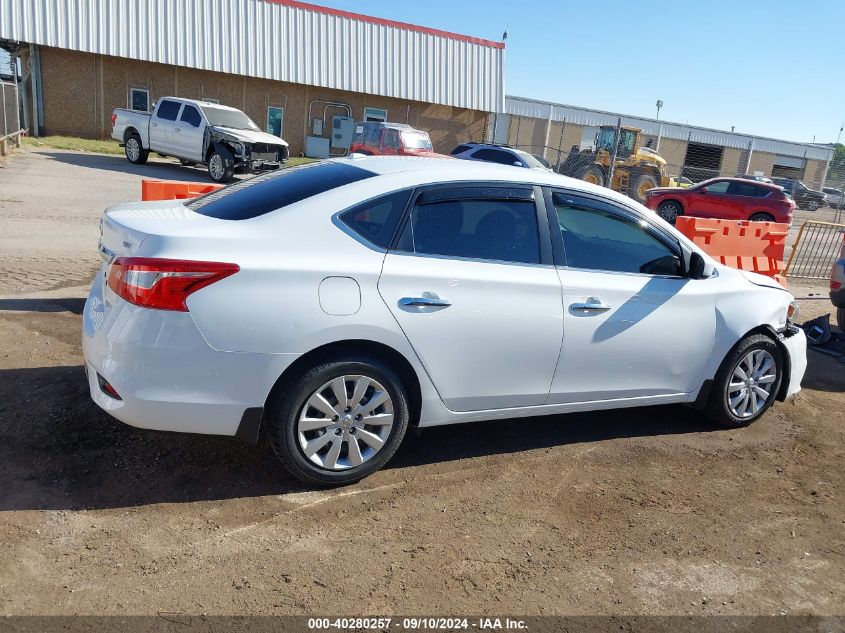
x,y
659,105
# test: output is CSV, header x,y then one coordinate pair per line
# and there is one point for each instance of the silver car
x,y
833,197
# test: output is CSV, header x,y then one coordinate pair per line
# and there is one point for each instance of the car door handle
x,y
593,304
425,302
176,129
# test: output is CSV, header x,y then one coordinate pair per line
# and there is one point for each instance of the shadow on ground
x,y
61,304
155,169
59,451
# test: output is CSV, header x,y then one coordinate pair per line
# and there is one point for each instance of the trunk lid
x,y
124,227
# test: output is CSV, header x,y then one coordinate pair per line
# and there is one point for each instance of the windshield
x,y
234,119
416,140
528,159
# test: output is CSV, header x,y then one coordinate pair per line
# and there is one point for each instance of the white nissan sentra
x,y
336,304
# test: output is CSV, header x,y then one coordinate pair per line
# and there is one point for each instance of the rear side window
x,y
746,189
168,110
460,149
501,230
275,190
376,220
191,116
496,156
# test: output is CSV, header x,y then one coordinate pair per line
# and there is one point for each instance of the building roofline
x,y
307,6
666,122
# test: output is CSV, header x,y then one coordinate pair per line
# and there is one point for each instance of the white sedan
x,y
339,303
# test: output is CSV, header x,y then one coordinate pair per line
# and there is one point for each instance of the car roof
x,y
744,181
437,169
199,103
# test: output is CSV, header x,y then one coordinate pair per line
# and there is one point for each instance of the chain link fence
x,y
10,122
631,159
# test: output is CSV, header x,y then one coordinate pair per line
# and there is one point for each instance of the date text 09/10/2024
x,y
416,624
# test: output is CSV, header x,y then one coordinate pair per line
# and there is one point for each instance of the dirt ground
x,y
641,511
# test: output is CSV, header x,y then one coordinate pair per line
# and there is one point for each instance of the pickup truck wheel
x,y
135,152
221,166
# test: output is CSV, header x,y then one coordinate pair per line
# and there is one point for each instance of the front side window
x,y
595,237
191,116
720,186
492,229
376,220
274,190
168,110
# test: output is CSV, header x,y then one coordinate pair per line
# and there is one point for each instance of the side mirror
x,y
699,268
516,163
702,190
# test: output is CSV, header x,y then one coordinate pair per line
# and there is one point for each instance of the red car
x,y
390,139
724,198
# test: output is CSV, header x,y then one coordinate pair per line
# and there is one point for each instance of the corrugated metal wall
x,y
519,106
269,40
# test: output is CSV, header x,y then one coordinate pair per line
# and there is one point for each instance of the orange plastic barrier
x,y
173,190
753,246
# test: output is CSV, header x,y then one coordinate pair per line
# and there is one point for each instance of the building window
x,y
139,99
275,121
210,100
375,114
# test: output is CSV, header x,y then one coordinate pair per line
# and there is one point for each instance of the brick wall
x,y
81,90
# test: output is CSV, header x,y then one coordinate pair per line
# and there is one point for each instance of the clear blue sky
x,y
773,68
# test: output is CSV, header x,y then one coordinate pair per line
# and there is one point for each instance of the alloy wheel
x,y
668,212
133,149
751,383
345,423
215,166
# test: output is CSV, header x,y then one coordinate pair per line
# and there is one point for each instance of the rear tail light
x,y
835,285
163,284
106,388
113,119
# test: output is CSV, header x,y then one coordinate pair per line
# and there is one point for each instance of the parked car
x,y
390,139
501,154
338,303
196,132
804,197
837,288
727,198
833,197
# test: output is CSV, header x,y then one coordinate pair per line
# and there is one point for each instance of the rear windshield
x,y
254,197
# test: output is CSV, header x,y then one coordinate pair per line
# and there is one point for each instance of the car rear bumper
x,y
795,343
167,376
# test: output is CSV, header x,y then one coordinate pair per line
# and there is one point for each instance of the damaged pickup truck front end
x,y
243,151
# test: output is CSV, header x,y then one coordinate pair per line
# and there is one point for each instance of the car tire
x,y
840,319
761,217
221,165
293,423
812,205
670,211
640,184
736,402
134,150
592,173
187,163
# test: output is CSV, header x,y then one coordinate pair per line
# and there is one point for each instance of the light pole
x,y
659,105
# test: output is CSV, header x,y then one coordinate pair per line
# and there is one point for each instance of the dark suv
x,y
804,197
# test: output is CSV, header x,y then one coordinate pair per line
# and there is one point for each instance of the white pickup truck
x,y
196,132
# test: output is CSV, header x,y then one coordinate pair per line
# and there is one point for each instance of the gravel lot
x,y
647,511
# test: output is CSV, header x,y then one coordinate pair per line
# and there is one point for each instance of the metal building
x,y
692,151
272,58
